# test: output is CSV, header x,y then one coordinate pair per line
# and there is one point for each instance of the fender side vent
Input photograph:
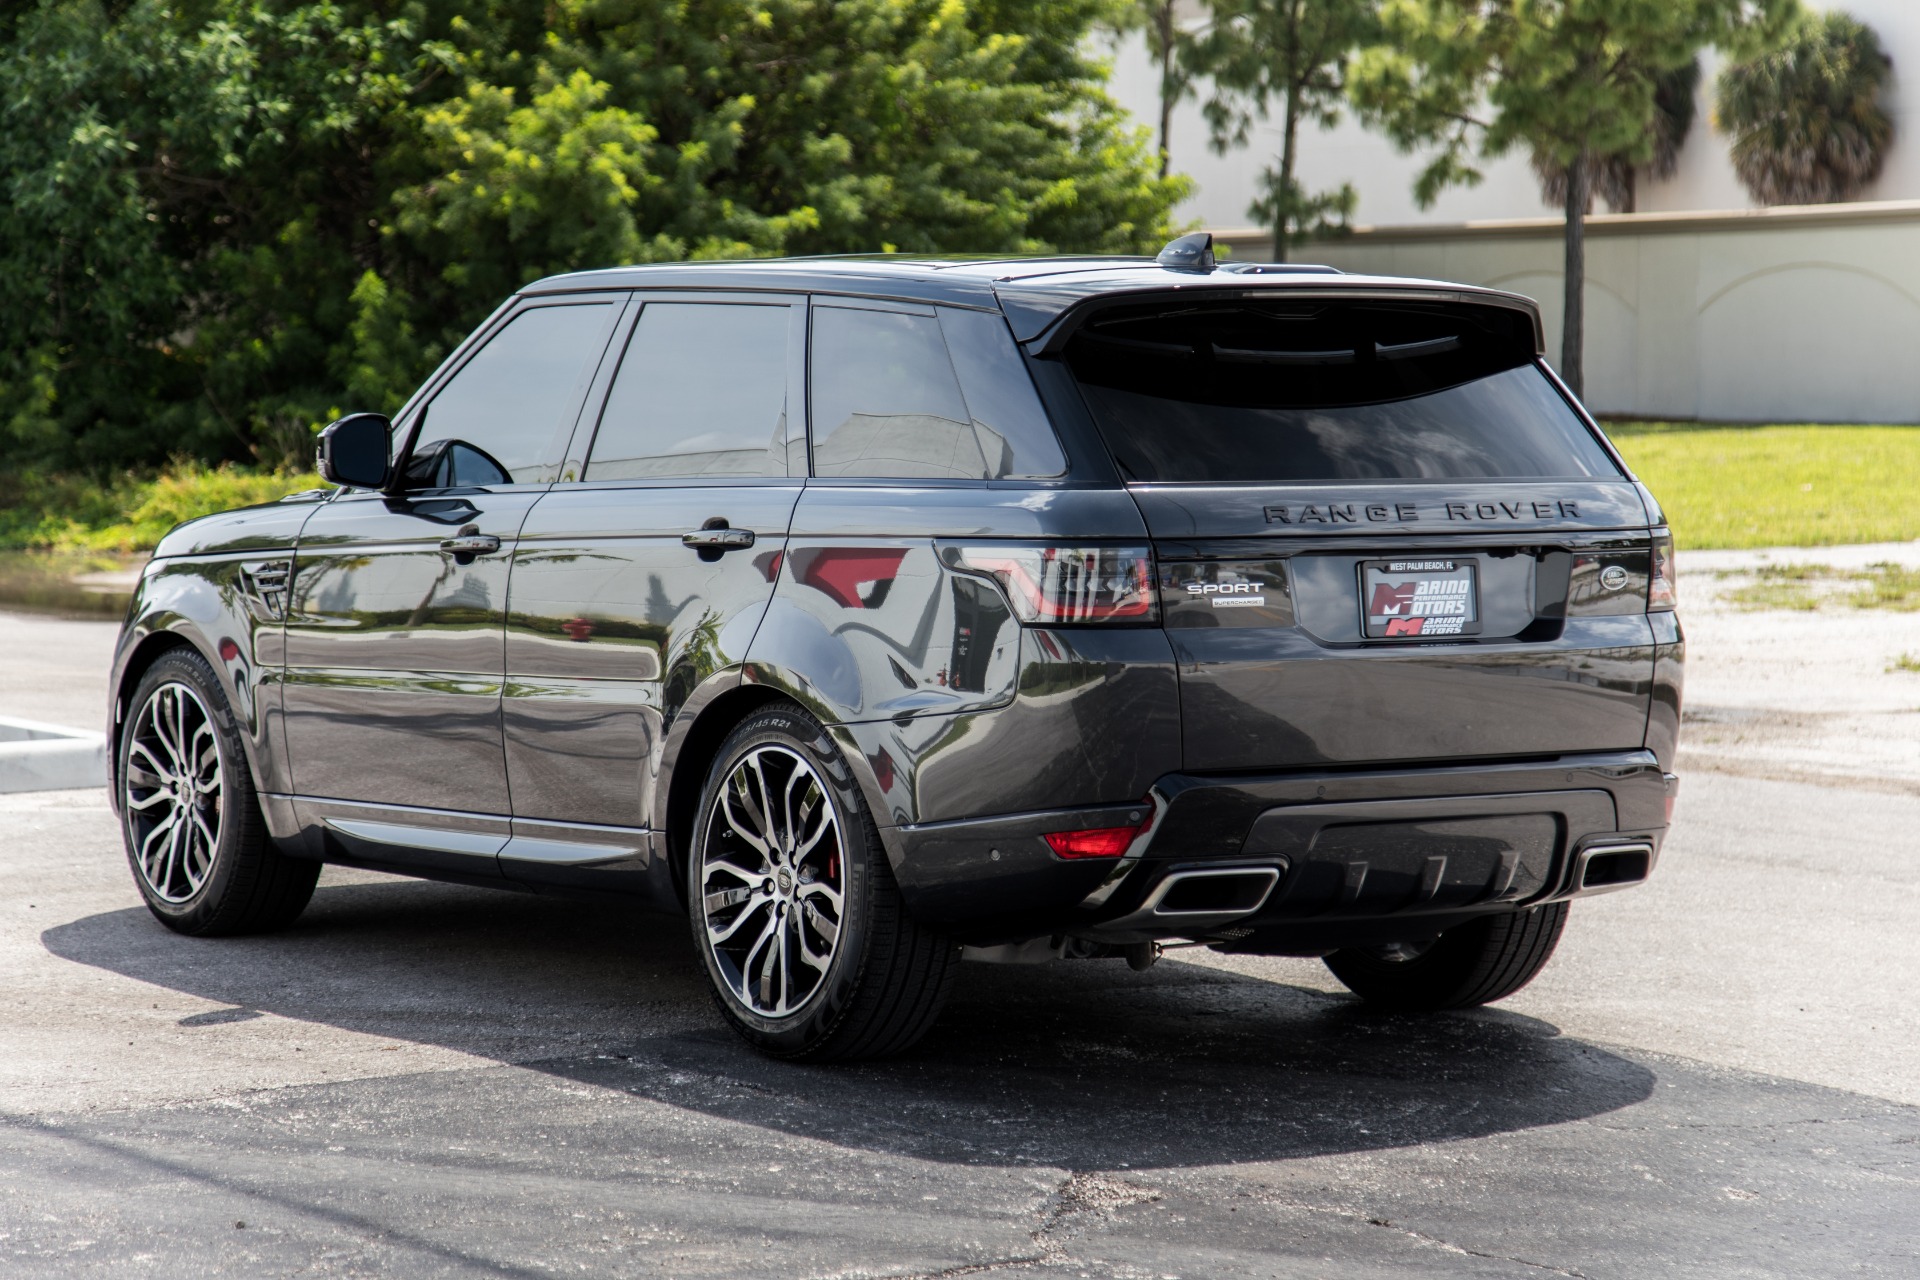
x,y
265,586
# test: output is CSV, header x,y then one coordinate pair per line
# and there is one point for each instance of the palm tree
x,y
1614,178
1806,120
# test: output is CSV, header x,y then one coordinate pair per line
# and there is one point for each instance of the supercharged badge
x,y
1228,595
1419,598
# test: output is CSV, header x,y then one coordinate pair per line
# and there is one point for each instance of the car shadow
x,y
1080,1064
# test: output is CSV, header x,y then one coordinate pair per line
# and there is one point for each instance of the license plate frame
x,y
1420,598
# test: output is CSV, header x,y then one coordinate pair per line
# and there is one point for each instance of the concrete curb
x,y
50,757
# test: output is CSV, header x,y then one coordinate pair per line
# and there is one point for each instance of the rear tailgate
x,y
1263,588
1384,534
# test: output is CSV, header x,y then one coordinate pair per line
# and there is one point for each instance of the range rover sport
x,y
870,613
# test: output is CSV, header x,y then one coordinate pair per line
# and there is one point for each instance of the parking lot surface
x,y
1716,1077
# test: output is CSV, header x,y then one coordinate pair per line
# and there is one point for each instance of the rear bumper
x,y
1354,855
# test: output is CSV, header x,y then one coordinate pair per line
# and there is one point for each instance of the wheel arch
x,y
691,759
690,756
134,666
161,638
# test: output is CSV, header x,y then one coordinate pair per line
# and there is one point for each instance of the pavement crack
x,y
1436,1242
1387,1224
1077,1199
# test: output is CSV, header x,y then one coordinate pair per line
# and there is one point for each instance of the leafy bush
x,y
227,220
130,513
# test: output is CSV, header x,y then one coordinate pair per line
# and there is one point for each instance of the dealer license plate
x,y
1419,598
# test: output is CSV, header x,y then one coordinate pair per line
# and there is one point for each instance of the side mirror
x,y
354,451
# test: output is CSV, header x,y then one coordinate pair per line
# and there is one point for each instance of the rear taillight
x,y
1054,586
1663,590
1100,842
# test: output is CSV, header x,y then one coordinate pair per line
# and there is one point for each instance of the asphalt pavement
x,y
1716,1077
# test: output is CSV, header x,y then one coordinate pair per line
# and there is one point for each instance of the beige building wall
x,y
1383,176
1808,314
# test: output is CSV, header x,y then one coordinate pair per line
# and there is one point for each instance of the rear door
x,y
646,569
1384,536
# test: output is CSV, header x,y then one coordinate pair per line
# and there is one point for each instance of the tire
x,y
1485,960
810,949
196,840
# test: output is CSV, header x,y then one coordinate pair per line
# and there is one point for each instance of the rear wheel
x,y
794,906
195,836
1485,960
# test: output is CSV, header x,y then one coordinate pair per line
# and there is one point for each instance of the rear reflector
x,y
1050,586
1099,842
1663,589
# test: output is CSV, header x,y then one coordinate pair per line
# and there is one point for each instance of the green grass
x,y
74,515
1812,586
1905,662
1792,486
1721,487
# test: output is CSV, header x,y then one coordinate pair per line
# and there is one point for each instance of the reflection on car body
x,y
867,614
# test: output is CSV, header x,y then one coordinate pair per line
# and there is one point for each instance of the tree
x,y
1288,56
230,218
1806,119
1170,47
181,195
1574,80
1615,177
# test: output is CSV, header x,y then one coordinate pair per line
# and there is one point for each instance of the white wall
x,y
1808,315
1384,177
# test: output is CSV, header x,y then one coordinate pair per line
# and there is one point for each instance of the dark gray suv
x,y
876,613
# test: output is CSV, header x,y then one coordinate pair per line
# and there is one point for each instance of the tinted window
x,y
702,391
499,420
888,402
1314,391
998,392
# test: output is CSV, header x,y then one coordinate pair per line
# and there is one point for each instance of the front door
x,y
396,627
616,615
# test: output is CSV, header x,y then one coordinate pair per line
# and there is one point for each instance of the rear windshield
x,y
1313,391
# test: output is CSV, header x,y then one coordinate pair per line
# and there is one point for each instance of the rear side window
x,y
907,395
701,391
1304,391
500,419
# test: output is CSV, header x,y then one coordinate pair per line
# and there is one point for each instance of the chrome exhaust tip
x,y
1199,899
1603,868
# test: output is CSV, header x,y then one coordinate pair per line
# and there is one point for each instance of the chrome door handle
x,y
471,544
718,539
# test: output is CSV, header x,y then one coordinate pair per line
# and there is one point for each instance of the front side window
x,y
701,391
500,420
888,398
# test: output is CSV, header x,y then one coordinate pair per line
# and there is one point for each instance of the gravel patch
x,y
1807,695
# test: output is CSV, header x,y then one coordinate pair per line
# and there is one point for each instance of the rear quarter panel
x,y
953,709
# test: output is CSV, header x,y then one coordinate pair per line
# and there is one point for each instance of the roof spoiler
x,y
1042,323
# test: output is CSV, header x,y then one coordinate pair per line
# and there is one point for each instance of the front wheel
x,y
195,836
794,906
1482,961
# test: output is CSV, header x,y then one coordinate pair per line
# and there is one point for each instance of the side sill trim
x,y
470,844
575,844
486,837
